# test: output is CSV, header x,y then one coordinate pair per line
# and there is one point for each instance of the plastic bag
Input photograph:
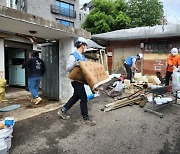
x,y
176,79
2,82
2,89
89,93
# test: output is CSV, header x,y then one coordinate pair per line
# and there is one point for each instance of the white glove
x,y
76,63
135,69
174,67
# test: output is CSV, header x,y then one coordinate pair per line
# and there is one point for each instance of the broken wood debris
x,y
136,98
133,93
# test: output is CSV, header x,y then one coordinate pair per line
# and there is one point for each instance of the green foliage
x,y
98,22
145,12
122,21
105,6
109,15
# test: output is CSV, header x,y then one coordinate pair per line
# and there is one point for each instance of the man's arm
x,y
71,63
178,60
43,68
134,64
26,64
170,61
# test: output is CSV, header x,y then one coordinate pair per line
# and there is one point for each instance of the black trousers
x,y
129,71
167,78
79,93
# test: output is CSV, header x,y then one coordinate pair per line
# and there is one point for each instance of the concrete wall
x,y
2,67
66,46
43,9
3,2
40,8
153,62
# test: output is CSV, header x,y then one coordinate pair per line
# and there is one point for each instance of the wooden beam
x,y
4,35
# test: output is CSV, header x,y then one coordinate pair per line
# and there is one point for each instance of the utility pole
x,y
163,22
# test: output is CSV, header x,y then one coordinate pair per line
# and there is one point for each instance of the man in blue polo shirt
x,y
131,62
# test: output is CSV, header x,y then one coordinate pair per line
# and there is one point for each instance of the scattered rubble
x,y
135,93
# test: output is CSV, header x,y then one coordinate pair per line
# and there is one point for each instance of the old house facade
x,y
20,33
154,42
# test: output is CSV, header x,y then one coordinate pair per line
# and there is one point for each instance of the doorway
x,y
14,74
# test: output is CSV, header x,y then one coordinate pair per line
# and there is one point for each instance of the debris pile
x,y
136,98
134,93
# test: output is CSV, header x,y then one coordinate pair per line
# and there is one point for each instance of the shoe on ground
x,y
63,115
89,121
38,100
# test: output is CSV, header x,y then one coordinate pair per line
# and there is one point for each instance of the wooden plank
x,y
121,104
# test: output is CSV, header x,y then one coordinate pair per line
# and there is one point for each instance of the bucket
x,y
6,134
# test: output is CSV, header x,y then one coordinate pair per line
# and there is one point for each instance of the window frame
x,y
11,4
71,24
65,10
160,46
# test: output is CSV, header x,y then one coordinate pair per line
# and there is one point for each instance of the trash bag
x,y
2,89
89,93
117,90
2,96
2,82
176,80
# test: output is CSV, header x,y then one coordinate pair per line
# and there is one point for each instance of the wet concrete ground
x,y
128,130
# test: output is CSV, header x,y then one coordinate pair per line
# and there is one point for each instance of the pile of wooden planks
x,y
137,98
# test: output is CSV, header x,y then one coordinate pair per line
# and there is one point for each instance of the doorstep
x,y
27,109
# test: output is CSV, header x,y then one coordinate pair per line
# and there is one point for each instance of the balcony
x,y
63,11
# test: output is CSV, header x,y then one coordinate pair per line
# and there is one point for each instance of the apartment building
x,y
84,11
65,12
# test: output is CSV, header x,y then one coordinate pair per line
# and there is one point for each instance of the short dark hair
x,y
35,54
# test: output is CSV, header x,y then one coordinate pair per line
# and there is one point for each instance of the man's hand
x,y
76,63
135,69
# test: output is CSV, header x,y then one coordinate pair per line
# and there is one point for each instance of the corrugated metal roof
x,y
157,31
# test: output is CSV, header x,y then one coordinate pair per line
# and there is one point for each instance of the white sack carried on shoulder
x,y
176,79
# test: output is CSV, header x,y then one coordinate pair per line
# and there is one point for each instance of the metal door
x,y
50,81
